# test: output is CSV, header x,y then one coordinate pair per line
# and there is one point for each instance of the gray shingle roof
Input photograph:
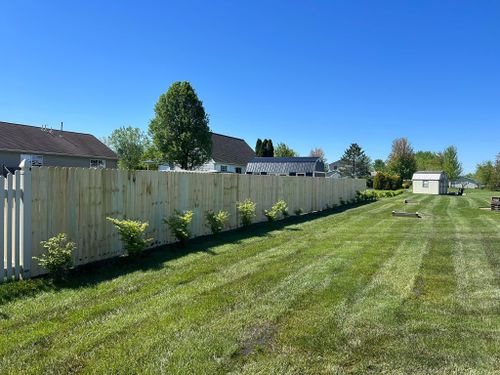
x,y
17,137
285,165
230,150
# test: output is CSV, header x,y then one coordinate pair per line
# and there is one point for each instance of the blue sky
x,y
308,73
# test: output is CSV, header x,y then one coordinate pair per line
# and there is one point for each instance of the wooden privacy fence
x,y
77,201
15,220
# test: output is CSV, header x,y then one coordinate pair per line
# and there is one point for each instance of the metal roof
x,y
429,175
285,165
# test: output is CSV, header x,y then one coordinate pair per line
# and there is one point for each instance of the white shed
x,y
430,182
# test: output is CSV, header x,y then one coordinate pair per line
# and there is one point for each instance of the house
x,y
430,182
336,165
47,147
229,155
292,166
466,183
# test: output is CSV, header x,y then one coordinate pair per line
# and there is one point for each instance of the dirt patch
x,y
261,336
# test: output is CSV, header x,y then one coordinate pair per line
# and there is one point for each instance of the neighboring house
x,y
47,147
293,166
466,183
229,155
333,174
336,165
430,182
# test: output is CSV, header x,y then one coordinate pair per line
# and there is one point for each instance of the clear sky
x,y
308,73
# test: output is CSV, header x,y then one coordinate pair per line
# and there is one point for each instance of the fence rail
x,y
77,201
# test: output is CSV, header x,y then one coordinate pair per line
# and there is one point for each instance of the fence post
x,y
25,218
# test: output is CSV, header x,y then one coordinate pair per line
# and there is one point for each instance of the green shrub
x,y
132,235
246,209
387,181
58,258
179,225
342,201
216,221
298,211
279,208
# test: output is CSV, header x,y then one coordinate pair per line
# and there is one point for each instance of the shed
x,y
290,166
430,182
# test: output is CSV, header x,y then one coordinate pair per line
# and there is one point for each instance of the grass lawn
x,y
348,291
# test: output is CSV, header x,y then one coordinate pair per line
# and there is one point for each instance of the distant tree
x,y
451,164
129,144
379,165
429,161
355,163
153,156
267,148
258,147
319,153
484,172
283,151
402,159
180,128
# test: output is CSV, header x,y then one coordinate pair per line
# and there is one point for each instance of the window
x,y
425,184
97,163
293,173
263,173
300,174
223,168
309,174
34,160
238,170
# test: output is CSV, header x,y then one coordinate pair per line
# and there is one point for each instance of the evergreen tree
x,y
355,162
258,147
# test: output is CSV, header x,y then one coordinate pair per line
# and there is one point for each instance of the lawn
x,y
352,290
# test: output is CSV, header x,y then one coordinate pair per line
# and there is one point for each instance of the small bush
x,y
216,221
132,235
246,209
279,208
298,211
342,201
58,258
179,225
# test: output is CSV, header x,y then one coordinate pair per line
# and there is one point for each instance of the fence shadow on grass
x,y
156,258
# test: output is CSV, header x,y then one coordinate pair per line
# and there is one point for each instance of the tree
x,y
355,162
258,147
488,174
283,151
451,165
402,159
129,144
429,161
267,148
379,165
180,128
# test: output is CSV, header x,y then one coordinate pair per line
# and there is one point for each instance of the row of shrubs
x,y
57,258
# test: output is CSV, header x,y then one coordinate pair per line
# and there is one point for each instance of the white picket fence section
x,y
15,225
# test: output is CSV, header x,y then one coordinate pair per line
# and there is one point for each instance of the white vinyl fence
x,y
15,221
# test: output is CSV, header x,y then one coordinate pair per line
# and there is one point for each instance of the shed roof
x,y
230,150
29,139
429,175
285,165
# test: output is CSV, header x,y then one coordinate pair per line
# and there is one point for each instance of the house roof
x,y
285,165
230,150
336,164
428,175
35,139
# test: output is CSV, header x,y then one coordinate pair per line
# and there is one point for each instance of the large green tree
x,y
429,161
355,163
282,151
488,174
129,143
379,165
258,147
180,128
402,159
451,164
